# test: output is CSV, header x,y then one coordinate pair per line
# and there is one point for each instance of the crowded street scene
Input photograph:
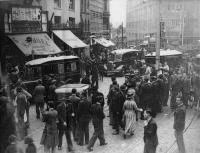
x,y
102,76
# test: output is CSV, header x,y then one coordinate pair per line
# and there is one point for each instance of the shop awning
x,y
35,44
104,42
69,38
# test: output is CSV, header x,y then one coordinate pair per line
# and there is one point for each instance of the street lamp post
x,y
158,37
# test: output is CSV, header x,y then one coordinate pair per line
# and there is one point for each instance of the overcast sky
x,y
118,12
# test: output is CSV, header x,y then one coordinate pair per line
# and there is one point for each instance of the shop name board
x,y
26,19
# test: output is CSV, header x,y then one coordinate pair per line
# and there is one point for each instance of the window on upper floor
x,y
105,5
57,3
72,4
57,19
71,22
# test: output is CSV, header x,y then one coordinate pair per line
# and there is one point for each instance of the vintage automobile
x,y
121,59
63,68
63,92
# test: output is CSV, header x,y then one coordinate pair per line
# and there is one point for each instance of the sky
x,y
118,12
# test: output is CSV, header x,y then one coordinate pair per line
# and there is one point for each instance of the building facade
x,y
64,13
100,17
85,18
181,19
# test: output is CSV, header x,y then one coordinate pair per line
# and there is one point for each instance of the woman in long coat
x,y
50,134
129,117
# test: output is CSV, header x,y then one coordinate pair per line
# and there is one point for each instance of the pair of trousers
x,y
39,108
111,116
98,133
74,129
116,119
84,131
27,111
65,130
148,148
49,150
180,141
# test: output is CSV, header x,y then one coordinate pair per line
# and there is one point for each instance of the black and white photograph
x,y
100,76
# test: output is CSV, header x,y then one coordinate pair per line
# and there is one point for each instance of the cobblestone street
x,y
134,144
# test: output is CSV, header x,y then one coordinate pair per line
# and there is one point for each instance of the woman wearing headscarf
x,y
129,117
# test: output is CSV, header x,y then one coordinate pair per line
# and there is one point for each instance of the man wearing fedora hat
x,y
179,122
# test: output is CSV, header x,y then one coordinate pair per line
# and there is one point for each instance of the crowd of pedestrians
x,y
138,98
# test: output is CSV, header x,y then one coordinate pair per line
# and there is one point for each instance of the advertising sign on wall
x,y
26,19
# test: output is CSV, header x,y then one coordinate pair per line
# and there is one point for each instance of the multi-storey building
x,y
85,18
64,12
99,17
181,20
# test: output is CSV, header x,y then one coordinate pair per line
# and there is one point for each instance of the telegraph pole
x,y
122,36
158,37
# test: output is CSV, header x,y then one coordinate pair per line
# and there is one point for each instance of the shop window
x,y
57,3
72,4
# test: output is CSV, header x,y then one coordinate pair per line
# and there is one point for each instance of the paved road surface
x,y
134,144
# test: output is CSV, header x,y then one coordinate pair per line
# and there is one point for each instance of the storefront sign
x,y
26,19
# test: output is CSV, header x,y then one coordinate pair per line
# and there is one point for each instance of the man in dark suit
x,y
150,133
97,95
74,100
145,94
84,118
179,122
39,95
65,113
97,119
116,108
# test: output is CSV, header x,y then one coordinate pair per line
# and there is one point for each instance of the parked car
x,y
64,91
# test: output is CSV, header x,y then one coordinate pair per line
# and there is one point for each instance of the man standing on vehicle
x,y
39,95
94,72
